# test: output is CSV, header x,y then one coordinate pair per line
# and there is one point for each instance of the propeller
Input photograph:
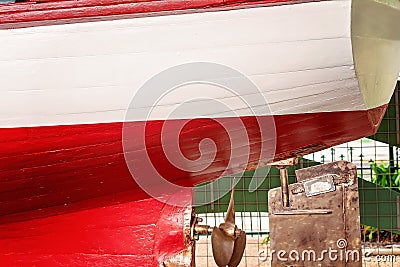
x,y
228,241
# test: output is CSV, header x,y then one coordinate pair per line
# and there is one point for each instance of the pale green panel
x,y
376,48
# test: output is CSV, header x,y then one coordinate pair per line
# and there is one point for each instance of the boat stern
x,y
376,49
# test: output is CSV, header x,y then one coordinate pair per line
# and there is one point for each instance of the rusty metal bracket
x,y
282,165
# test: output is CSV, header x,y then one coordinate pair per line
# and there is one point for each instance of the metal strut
x,y
284,177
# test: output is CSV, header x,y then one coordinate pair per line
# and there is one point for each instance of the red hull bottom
x,y
105,236
67,196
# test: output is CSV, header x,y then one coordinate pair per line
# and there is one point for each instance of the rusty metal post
x,y
285,186
284,177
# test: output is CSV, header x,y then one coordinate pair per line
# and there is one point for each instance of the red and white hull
x,y
67,86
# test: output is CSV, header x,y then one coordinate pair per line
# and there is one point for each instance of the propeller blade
x,y
222,246
230,213
240,245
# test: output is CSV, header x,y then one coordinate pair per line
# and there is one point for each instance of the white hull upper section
x,y
299,56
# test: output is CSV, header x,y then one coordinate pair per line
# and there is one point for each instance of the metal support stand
x,y
284,176
285,186
323,216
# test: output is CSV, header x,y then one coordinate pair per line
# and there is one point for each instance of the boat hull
x,y
71,151
112,235
88,161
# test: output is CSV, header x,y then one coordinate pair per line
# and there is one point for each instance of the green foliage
x,y
382,176
373,234
370,232
266,240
